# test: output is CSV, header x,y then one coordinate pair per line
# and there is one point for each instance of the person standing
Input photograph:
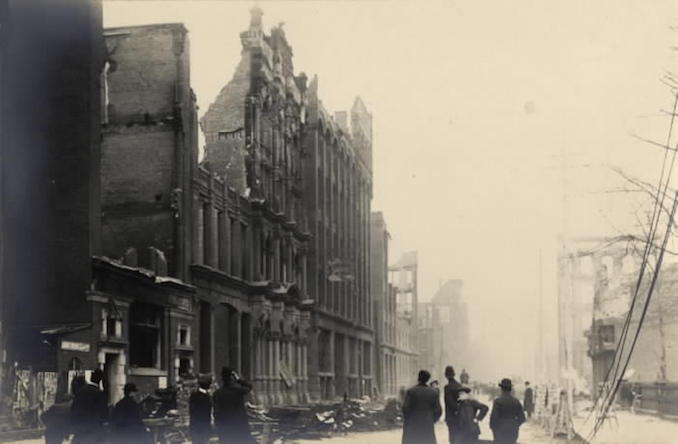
x,y
471,412
528,400
507,415
127,422
451,402
464,377
421,410
200,412
89,412
57,420
230,416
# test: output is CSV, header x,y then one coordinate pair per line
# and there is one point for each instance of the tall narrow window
x,y
206,234
145,335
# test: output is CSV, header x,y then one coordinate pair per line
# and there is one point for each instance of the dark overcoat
x,y
452,390
200,414
230,416
528,400
127,423
57,420
506,418
89,411
468,429
421,409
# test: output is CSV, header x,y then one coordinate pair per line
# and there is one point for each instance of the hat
x,y
506,384
226,373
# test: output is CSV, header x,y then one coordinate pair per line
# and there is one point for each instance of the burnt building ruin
x,y
162,266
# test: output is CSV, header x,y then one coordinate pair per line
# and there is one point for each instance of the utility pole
x,y
540,367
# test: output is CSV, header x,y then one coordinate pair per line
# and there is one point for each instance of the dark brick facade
x,y
49,171
338,195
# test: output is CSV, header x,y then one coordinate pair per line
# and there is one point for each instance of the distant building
x,y
616,275
444,330
575,310
384,312
403,278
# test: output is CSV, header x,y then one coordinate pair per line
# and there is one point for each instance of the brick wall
x,y
147,151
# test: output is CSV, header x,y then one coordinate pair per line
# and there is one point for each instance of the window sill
x,y
147,371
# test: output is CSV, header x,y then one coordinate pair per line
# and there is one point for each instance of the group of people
x,y
85,415
422,409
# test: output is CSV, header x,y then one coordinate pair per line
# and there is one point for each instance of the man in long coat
x,y
421,409
452,390
230,416
200,412
89,412
507,415
528,400
127,422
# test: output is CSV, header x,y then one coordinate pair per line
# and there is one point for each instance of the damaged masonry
x,y
255,257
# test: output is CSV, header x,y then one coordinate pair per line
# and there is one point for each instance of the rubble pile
x,y
322,420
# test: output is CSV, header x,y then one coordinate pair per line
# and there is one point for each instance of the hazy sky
x,y
476,103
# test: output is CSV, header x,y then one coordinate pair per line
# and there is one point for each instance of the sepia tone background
x,y
495,127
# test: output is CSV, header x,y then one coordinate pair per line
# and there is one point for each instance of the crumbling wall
x,y
223,126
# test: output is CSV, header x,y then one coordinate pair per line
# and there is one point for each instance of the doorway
x,y
114,376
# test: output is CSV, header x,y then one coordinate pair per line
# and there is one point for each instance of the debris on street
x,y
282,424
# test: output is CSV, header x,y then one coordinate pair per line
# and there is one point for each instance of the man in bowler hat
x,y
230,416
452,390
127,422
507,415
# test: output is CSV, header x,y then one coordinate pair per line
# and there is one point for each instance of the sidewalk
x,y
631,429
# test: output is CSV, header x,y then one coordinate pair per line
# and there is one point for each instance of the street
x,y
530,434
632,429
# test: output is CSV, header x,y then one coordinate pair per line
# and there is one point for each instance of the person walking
x,y
200,412
528,400
507,415
127,423
451,402
421,410
230,416
470,413
89,412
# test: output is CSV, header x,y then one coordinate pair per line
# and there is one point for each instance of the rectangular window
x,y
606,334
184,335
111,324
185,367
145,335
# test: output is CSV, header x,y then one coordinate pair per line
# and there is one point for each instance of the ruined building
x,y
653,363
403,278
443,318
154,267
254,147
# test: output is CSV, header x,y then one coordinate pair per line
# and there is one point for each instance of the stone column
x,y
276,372
270,389
311,365
258,370
292,359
